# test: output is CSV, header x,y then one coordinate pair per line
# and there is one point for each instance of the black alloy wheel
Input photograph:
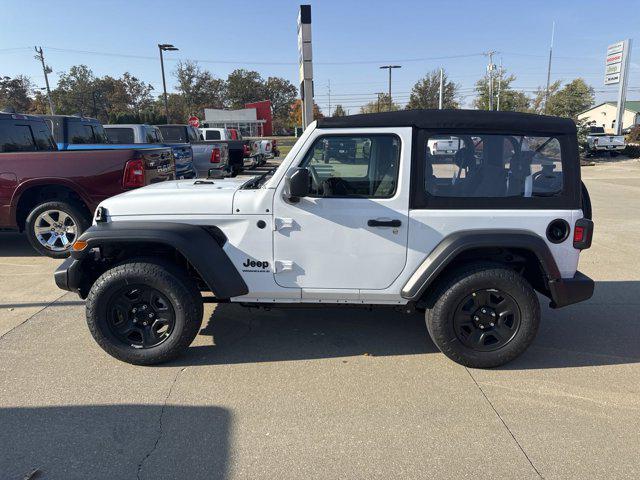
x,y
140,316
487,320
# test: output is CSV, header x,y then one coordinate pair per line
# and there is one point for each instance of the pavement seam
x,y
504,423
29,318
160,432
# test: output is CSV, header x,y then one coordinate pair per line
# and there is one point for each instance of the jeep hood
x,y
181,197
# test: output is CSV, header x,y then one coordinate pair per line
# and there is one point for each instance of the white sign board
x,y
613,63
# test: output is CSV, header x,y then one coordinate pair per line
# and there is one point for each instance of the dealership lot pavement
x,y
329,393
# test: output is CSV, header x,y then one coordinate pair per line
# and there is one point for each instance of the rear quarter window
x,y
120,135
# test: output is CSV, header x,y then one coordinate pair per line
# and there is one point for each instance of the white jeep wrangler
x,y
359,213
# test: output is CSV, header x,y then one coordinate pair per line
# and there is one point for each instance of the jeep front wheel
x,y
483,316
144,312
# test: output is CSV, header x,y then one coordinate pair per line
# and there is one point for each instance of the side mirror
x,y
298,183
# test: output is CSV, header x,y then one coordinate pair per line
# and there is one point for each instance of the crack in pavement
x,y
29,318
504,423
160,430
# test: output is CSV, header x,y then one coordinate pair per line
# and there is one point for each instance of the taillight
x,y
215,155
246,150
273,142
582,234
133,174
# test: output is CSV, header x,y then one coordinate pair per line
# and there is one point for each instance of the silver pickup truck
x,y
598,141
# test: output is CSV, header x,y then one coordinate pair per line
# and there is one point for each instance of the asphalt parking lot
x,y
329,393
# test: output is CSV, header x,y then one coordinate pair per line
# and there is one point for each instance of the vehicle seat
x,y
387,157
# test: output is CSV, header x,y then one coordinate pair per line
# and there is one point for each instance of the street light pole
x,y
165,47
389,67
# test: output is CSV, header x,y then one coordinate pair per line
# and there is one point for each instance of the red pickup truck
x,y
51,194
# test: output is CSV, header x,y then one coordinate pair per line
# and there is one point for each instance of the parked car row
x,y
55,169
50,193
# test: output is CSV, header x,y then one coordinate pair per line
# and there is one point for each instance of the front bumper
x,y
567,291
68,275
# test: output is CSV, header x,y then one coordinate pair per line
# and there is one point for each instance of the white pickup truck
x,y
358,214
598,141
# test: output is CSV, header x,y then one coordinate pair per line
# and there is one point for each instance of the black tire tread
x,y
181,286
443,295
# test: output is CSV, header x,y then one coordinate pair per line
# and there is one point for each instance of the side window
x,y
79,133
491,166
16,138
151,135
354,166
120,135
42,137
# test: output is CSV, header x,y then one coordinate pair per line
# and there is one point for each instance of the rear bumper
x,y
567,291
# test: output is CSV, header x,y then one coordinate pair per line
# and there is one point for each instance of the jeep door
x,y
351,231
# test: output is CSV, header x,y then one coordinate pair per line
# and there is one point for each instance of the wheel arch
x,y
522,250
200,248
30,194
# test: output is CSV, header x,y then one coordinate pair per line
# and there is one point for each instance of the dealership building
x,y
604,115
252,121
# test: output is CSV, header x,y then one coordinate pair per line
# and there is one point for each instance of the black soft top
x,y
511,122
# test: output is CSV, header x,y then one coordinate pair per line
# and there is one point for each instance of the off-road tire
x,y
165,277
74,210
452,289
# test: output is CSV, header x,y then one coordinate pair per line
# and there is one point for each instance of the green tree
x,y
245,86
380,105
510,99
575,97
76,92
282,93
537,102
15,93
426,92
138,93
295,114
199,88
339,111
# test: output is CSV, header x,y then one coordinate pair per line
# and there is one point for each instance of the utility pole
x,y
441,89
329,97
500,72
165,47
379,95
546,92
390,67
490,68
46,70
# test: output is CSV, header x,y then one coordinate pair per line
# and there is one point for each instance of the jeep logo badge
x,y
255,265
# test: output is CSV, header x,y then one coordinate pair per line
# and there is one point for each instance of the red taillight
x,y
273,142
133,174
582,233
215,155
247,150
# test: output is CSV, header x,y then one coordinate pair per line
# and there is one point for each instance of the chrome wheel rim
x,y
55,230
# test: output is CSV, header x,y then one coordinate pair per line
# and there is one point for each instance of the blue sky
x,y
350,40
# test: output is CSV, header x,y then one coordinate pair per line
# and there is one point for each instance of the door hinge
x,y
283,266
282,223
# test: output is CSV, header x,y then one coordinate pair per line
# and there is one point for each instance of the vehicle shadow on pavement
x,y
13,244
601,331
115,441
241,335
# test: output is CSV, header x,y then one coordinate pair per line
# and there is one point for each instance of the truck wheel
x,y
52,227
144,312
483,316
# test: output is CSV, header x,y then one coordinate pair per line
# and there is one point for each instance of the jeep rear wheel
x,y
483,316
144,312
52,227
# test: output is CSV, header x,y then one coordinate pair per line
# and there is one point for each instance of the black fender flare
x,y
453,245
202,247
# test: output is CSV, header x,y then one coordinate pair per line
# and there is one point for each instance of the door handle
x,y
384,223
